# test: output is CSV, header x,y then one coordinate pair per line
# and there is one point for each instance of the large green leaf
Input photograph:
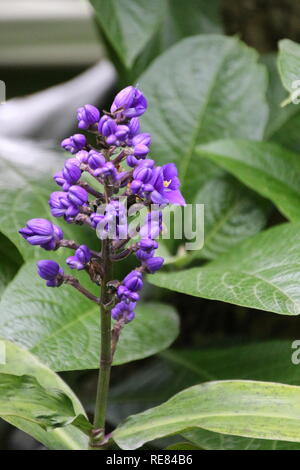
x,y
243,408
19,362
128,26
61,326
23,397
269,169
201,89
231,214
24,192
177,369
261,272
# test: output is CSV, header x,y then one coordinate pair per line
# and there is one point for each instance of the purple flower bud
x,y
51,272
124,310
108,170
143,255
59,179
147,244
60,205
143,138
71,171
83,254
136,186
133,281
96,219
87,115
77,195
96,160
154,264
134,127
122,132
141,150
129,102
42,232
108,128
142,173
82,156
80,259
127,295
74,143
132,161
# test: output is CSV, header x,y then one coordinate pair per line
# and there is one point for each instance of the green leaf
x,y
23,397
25,189
243,408
128,26
201,89
178,369
61,326
231,214
269,169
19,362
289,63
261,272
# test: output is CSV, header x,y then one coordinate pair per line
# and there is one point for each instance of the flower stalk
x,y
98,434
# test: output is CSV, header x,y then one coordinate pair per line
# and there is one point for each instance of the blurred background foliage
x,y
44,43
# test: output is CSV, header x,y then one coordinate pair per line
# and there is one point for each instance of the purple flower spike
x,y
80,259
42,232
154,264
51,272
129,102
74,143
87,115
78,196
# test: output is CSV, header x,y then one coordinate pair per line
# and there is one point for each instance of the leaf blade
x,y
267,168
242,408
18,362
262,273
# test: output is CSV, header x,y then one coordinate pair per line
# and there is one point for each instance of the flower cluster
x,y
91,182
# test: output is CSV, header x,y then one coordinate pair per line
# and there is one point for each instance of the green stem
x,y
98,432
